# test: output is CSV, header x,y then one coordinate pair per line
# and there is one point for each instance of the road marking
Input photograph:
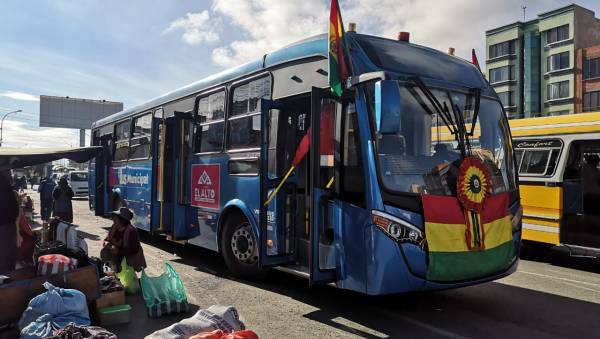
x,y
583,288
426,326
559,278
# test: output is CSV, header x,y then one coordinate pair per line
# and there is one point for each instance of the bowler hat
x,y
124,213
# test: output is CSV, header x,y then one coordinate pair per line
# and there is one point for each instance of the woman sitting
x,y
123,242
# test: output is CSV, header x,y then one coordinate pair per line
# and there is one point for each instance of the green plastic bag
x,y
164,294
128,278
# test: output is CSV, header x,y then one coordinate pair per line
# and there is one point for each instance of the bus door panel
x,y
101,187
277,217
158,167
581,222
184,223
324,213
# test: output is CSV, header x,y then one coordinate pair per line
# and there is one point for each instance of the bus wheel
x,y
240,248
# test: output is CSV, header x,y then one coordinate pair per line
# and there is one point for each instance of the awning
x,y
22,157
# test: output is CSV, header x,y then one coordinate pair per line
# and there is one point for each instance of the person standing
x,y
63,194
45,188
8,218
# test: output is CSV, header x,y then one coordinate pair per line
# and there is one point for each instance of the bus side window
x,y
140,140
243,123
121,141
353,188
211,118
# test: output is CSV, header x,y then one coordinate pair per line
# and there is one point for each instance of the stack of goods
x,y
216,322
111,307
164,294
68,234
55,263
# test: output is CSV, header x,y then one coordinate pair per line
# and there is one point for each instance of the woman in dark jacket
x,y
123,242
63,194
9,211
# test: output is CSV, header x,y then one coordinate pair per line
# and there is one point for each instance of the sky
x,y
132,51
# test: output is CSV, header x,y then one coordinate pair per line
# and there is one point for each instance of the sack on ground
x,y
219,334
216,317
53,309
73,331
164,294
128,278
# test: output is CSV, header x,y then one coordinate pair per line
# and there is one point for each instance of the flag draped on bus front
x,y
338,70
451,232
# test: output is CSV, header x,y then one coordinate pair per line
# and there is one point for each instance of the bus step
x,y
170,238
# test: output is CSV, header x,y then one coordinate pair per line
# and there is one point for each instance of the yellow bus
x,y
559,179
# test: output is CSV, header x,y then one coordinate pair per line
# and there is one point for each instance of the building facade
x,y
587,79
534,65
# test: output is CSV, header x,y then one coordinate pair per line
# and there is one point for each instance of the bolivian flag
x,y
338,70
463,245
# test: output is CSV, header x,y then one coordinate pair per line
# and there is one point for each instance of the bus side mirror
x,y
388,110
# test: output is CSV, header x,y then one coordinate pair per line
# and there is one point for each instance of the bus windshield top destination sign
x,y
539,143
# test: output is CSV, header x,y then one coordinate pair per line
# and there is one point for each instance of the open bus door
x,y
322,171
181,148
101,187
276,219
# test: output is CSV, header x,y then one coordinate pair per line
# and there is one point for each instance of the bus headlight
x,y
398,229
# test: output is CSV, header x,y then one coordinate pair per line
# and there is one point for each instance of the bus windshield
x,y
423,155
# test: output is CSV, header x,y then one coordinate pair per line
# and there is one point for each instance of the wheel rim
x,y
243,244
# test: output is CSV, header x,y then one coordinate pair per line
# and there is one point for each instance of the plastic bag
x,y
55,308
164,294
128,278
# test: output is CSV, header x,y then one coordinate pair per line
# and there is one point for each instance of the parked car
x,y
79,182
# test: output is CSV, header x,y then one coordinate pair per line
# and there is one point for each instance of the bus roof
x,y
553,125
313,46
413,57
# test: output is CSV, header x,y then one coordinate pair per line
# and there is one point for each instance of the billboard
x,y
76,113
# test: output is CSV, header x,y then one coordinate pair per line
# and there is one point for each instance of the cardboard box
x,y
111,299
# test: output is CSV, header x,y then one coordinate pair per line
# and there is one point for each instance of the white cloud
x,y
197,28
268,25
19,96
271,24
17,134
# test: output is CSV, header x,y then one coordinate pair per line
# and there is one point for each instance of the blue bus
x,y
198,164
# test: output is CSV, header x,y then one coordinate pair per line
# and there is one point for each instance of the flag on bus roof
x,y
474,59
451,231
338,70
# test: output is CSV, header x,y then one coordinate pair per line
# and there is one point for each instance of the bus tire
x,y
240,248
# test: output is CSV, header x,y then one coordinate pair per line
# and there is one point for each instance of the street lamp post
x,y
2,123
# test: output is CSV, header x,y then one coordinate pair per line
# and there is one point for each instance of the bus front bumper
x,y
401,268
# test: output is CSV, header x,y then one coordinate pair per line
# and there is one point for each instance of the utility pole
x,y
523,8
2,123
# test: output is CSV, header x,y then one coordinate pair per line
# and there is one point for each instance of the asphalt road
x,y
551,296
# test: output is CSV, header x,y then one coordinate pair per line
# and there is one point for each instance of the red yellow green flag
x,y
463,245
338,70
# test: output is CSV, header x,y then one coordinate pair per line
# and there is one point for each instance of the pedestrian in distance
x,y
9,212
123,242
45,188
63,194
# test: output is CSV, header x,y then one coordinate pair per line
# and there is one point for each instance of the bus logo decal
x,y
206,185
204,179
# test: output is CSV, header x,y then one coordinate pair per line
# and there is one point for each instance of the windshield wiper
x,y
444,112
